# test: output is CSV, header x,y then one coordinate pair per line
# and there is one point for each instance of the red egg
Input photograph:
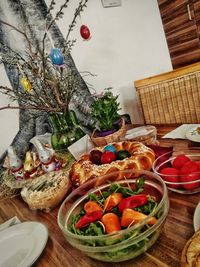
x,y
85,32
95,156
189,167
179,161
189,178
108,157
170,174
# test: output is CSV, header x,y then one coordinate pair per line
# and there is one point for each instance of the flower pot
x,y
105,133
110,137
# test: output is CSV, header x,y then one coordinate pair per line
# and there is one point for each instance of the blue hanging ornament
x,y
56,56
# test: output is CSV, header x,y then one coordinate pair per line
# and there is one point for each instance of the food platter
x,y
22,244
196,218
193,134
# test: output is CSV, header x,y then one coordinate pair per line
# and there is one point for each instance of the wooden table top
x,y
165,252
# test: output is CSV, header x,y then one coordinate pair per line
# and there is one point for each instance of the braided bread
x,y
141,158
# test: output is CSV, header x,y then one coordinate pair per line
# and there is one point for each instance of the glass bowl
x,y
186,180
126,243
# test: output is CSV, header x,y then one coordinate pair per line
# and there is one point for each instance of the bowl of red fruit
x,y
180,170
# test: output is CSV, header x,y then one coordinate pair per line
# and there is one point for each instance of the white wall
x,y
127,43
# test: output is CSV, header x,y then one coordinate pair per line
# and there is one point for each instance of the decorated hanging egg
x,y
56,56
25,83
110,148
84,32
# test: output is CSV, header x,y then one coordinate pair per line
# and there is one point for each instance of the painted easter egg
x,y
26,84
110,148
84,32
56,56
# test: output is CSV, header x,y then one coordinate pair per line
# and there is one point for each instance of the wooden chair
x,y
171,97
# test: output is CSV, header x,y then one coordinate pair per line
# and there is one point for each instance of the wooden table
x,y
165,252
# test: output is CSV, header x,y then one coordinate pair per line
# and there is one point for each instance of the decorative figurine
x,y
16,165
30,169
46,156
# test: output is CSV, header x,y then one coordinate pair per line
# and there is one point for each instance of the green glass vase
x,y
65,129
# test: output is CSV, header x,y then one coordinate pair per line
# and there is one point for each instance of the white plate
x,y
196,218
193,135
22,244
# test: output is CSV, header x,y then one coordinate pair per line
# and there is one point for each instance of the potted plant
x,y
108,124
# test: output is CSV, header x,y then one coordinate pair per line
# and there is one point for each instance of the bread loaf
x,y
141,158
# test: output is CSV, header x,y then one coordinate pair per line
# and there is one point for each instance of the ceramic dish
x,y
193,134
22,244
196,218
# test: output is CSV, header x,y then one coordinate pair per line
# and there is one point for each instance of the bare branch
x,y
23,33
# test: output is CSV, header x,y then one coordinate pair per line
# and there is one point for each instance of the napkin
x,y
81,146
180,132
9,223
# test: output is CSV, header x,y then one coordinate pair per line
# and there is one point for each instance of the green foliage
x,y
105,110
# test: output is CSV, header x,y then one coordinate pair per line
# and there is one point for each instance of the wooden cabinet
x,y
181,23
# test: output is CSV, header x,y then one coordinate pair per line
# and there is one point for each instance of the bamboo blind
x,y
174,100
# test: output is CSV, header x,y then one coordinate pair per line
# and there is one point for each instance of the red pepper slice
x,y
88,218
132,202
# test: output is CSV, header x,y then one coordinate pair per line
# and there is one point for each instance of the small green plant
x,y
105,110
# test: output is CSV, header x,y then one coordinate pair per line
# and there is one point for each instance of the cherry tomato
x,y
85,32
107,157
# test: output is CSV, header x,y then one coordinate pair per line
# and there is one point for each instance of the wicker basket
x,y
46,191
114,137
171,97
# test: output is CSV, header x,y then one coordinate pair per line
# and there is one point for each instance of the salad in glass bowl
x,y
117,216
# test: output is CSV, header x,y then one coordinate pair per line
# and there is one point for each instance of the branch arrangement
x,y
43,84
